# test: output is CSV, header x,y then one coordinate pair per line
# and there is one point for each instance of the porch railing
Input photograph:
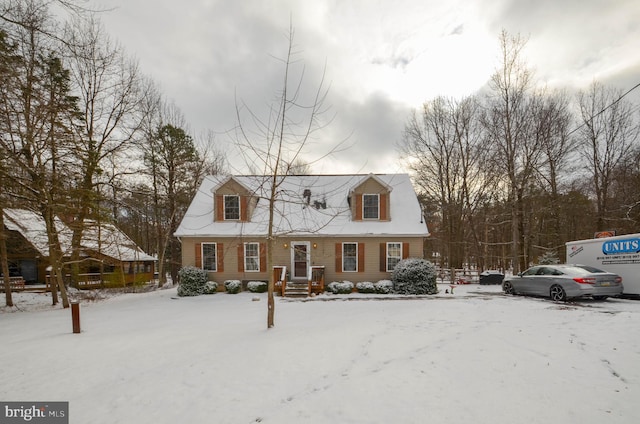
x,y
316,279
85,281
280,279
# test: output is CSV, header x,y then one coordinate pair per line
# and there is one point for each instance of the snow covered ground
x,y
476,356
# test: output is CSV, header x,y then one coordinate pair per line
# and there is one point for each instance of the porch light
x,y
285,245
315,245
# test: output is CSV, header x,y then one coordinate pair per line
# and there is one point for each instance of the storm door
x,y
300,259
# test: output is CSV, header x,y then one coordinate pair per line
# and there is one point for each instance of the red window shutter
x,y
383,257
358,207
360,257
198,255
241,257
338,257
219,208
244,209
263,257
383,207
220,257
405,250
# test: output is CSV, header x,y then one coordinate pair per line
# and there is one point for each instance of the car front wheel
x,y
557,293
507,288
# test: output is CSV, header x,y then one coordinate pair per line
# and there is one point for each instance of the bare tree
x,y
38,116
297,167
273,144
444,148
509,125
608,134
7,62
110,96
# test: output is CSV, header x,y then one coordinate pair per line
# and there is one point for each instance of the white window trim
x,y
257,257
343,256
378,208
293,258
388,256
224,207
215,250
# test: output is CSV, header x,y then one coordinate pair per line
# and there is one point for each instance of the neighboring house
x,y
105,249
355,226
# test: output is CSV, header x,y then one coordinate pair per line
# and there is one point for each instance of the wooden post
x,y
75,316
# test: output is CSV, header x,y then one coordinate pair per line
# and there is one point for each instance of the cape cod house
x,y
325,227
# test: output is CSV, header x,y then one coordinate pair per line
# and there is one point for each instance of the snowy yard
x,y
476,356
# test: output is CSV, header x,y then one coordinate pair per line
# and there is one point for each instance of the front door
x,y
300,253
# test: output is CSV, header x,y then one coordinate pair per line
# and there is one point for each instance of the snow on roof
x,y
110,241
326,213
106,238
33,228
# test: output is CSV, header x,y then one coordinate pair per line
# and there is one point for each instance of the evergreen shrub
x,y
383,287
257,286
233,286
340,287
414,276
210,287
192,281
366,287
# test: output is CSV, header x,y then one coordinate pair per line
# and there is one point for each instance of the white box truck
x,y
619,254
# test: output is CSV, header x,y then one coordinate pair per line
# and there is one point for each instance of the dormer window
x,y
231,207
371,206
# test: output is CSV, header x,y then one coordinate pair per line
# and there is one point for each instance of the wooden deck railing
x,y
280,279
316,279
16,283
85,281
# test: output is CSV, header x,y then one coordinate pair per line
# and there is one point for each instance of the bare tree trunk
x,y
55,258
5,263
280,150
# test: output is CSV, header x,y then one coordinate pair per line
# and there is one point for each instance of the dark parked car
x,y
491,277
560,282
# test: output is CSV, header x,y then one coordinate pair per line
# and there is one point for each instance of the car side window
x,y
531,271
545,271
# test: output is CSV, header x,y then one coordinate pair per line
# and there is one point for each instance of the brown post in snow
x,y
75,316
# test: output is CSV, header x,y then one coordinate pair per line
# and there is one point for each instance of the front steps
x,y
294,289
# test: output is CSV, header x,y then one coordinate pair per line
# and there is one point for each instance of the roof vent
x,y
320,205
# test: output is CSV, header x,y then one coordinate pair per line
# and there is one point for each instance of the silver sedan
x,y
560,282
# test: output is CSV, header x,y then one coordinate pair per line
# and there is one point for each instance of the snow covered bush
x,y
340,287
414,276
383,287
210,287
192,281
365,287
257,286
232,286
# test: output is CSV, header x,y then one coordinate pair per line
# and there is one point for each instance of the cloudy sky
x,y
381,58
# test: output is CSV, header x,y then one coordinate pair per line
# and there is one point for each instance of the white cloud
x,y
382,57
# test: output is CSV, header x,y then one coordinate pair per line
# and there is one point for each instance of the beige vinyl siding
x,y
323,254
